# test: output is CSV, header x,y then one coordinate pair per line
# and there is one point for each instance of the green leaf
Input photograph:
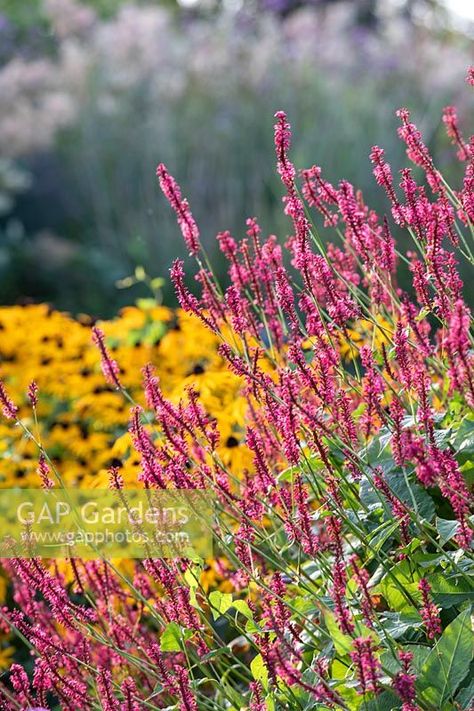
x,y
467,470
154,333
339,670
386,701
288,474
448,662
464,440
242,607
392,664
397,624
409,492
219,652
259,671
378,450
423,313
146,304
342,642
420,655
412,495
191,577
383,534
313,461
342,676
269,703
359,411
396,588
172,637
220,603
252,628
450,591
446,529
304,606
465,697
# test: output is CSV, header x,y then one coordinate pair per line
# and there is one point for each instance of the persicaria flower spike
x,y
318,193
429,611
187,301
285,167
383,176
367,665
404,683
129,690
33,394
10,410
104,686
43,472
109,366
257,701
180,205
115,478
458,349
416,149
450,120
21,684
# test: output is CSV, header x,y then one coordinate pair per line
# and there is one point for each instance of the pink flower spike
x,y
109,366
257,701
285,167
450,120
44,472
383,176
129,690
115,478
9,408
367,665
458,349
187,301
21,684
104,687
416,150
318,193
33,394
429,611
180,205
404,683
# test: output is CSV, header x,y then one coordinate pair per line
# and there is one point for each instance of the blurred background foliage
x,y
95,93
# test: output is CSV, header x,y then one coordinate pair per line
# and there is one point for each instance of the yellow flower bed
x,y
82,422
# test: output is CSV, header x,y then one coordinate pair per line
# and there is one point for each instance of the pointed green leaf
x,y
172,637
448,662
259,671
446,529
450,591
220,603
342,642
386,701
242,607
465,697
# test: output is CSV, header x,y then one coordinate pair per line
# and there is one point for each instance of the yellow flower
x,y
6,656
